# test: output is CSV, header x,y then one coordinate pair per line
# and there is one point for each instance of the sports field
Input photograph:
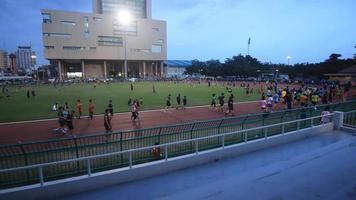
x,y
18,107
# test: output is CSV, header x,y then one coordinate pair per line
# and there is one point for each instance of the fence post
x,y
88,168
121,155
219,129
338,120
245,136
196,147
265,132
130,159
166,152
40,175
223,141
191,137
283,129
26,159
76,151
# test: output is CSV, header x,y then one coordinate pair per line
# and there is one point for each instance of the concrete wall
x,y
138,47
81,184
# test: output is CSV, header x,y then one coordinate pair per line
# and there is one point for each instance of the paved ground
x,y
319,167
42,130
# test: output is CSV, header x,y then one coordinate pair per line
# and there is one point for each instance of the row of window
x,y
47,18
156,48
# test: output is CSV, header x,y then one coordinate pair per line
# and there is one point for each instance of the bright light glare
x,y
124,17
289,57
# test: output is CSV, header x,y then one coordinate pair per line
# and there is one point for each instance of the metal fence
x,y
165,150
350,119
25,154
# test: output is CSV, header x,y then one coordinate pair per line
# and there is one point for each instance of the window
x,y
60,35
73,48
109,41
98,19
47,18
155,29
130,29
86,27
156,48
160,41
48,47
70,23
141,50
92,48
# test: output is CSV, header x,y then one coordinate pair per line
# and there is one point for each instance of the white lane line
x,y
122,113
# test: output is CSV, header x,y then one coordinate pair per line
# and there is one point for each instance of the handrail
x,y
130,151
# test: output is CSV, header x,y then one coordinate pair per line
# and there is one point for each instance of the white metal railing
x,y
164,147
350,119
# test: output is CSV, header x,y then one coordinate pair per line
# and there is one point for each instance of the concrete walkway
x,y
319,167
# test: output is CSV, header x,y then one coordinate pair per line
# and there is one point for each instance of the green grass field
x,y
18,107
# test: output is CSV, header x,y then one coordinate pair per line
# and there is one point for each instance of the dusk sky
x,y
307,30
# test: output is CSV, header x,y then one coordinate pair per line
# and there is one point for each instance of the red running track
x,y
43,130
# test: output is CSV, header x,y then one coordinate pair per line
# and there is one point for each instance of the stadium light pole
x,y
125,18
288,58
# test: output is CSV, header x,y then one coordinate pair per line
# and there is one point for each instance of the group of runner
x,y
303,96
181,103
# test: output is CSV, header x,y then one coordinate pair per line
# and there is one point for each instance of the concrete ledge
x,y
65,187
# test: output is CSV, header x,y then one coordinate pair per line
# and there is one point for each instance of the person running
x,y
314,99
275,101
289,99
28,94
134,111
131,87
69,122
263,104
107,121
222,102
184,102
168,102
213,101
141,101
230,105
178,101
269,103
111,108
304,100
79,108
91,107
61,121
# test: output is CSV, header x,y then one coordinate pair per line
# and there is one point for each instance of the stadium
x,y
115,116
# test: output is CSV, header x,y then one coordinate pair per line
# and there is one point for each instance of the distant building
x,y
104,44
25,57
3,60
176,68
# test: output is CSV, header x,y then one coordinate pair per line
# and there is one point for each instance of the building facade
x,y
100,46
25,57
3,60
176,68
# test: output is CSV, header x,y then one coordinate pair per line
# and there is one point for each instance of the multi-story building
x,y
3,60
25,57
106,43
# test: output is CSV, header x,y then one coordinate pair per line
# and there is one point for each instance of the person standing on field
x,y
178,101
184,102
79,108
91,109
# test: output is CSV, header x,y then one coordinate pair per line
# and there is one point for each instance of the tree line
x,y
246,66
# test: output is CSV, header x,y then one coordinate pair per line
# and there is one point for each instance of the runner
x,y
69,122
168,102
91,109
213,102
178,101
28,94
184,102
111,108
222,102
263,104
79,108
107,121
61,121
131,87
134,111
230,104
